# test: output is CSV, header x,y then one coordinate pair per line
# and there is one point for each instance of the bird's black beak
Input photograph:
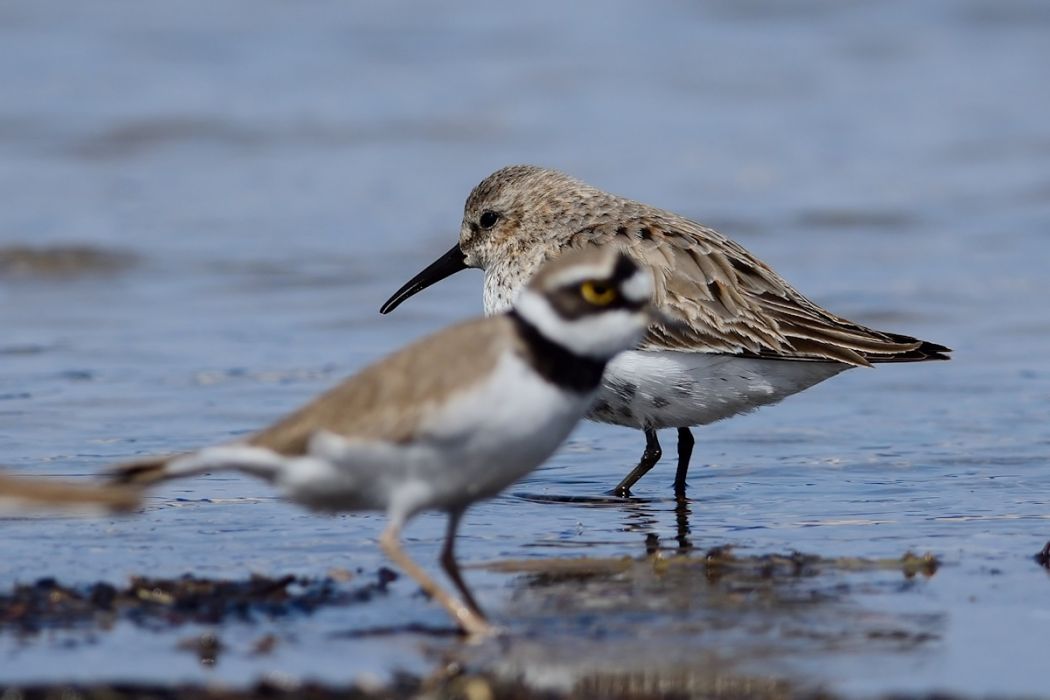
x,y
448,264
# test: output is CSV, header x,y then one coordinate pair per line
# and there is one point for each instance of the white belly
x,y
469,448
677,389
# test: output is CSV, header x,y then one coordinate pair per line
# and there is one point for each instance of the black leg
x,y
451,566
685,452
649,459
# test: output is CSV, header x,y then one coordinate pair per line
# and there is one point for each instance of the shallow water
x,y
266,176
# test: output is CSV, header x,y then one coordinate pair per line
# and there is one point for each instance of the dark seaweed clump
x,y
149,602
1043,558
405,688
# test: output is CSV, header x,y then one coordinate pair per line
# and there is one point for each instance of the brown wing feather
x,y
385,401
388,400
728,301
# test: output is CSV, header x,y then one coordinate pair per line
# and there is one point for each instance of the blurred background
x,y
204,205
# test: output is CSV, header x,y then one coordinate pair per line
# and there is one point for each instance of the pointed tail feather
x,y
140,472
920,351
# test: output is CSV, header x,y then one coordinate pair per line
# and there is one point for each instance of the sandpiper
x,y
743,336
20,495
451,419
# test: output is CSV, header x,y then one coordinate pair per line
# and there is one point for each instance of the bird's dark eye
x,y
488,219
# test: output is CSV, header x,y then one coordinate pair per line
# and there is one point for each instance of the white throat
x,y
600,336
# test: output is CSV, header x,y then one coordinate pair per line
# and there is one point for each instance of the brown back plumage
x,y
389,399
729,301
385,401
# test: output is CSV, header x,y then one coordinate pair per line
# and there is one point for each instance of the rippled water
x,y
266,174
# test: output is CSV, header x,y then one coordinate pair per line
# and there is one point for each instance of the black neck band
x,y
556,363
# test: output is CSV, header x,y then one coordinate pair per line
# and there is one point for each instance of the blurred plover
x,y
743,336
451,419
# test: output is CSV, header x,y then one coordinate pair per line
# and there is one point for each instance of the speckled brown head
x,y
516,219
511,210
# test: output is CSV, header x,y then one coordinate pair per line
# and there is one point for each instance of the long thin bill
x,y
448,264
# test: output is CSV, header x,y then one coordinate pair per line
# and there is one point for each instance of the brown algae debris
x,y
715,561
62,261
149,602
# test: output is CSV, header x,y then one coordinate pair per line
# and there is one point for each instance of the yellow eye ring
x,y
597,293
